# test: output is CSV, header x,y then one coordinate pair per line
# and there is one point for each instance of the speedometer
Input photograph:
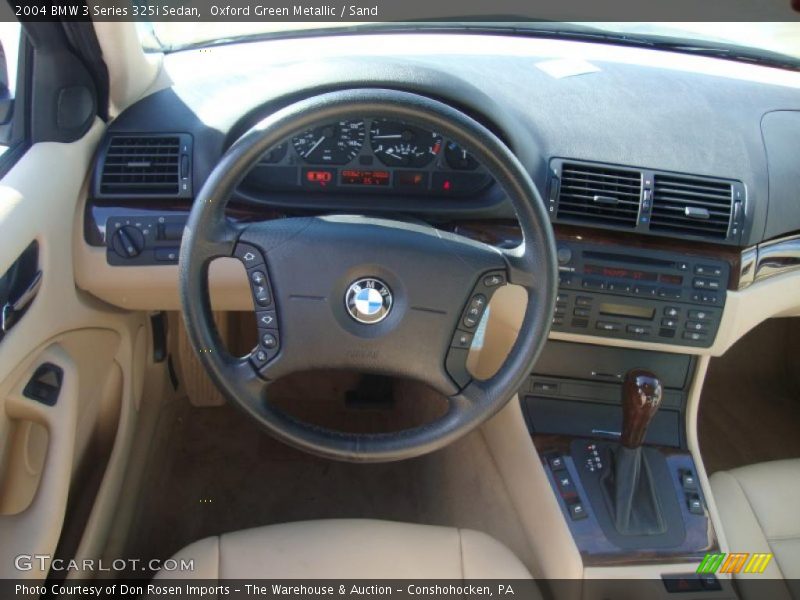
x,y
398,144
332,144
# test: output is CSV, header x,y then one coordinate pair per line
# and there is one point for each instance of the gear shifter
x,y
629,485
641,398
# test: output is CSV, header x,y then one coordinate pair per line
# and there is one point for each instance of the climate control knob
x,y
128,241
564,255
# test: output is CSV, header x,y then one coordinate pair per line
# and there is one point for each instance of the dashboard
x,y
664,175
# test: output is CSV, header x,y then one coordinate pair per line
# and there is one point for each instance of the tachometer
x,y
398,144
333,144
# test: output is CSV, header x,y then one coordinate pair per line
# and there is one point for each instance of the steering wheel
x,y
369,294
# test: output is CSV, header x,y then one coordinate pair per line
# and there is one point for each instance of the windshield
x,y
782,38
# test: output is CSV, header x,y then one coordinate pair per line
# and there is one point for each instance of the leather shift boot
x,y
629,491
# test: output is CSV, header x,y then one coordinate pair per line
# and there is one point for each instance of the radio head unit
x,y
639,294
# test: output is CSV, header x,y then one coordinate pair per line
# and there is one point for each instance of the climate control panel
x,y
639,294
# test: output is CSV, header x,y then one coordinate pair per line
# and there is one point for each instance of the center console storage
x,y
575,390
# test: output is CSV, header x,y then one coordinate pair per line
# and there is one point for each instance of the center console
x,y
608,424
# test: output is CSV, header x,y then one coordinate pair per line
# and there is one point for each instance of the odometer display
x,y
367,178
333,144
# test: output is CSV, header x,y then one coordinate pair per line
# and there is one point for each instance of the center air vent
x,y
135,166
691,206
599,194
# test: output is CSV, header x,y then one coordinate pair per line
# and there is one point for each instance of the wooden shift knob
x,y
641,397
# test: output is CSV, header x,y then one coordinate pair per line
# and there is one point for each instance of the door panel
x,y
100,350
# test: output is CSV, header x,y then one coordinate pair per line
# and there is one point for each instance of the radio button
x,y
638,330
645,290
694,326
580,323
699,315
669,322
565,279
560,311
562,298
594,284
608,326
683,266
615,286
581,312
671,293
583,301
558,320
694,336
707,270
671,311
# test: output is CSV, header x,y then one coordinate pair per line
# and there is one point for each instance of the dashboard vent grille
x,y
600,194
691,206
143,166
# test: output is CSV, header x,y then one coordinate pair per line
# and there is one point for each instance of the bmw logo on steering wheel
x,y
368,300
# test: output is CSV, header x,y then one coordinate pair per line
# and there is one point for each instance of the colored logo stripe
x,y
735,562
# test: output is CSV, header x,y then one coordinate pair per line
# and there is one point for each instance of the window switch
x,y
564,482
688,481
694,504
556,462
577,511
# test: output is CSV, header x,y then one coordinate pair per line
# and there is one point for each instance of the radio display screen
x,y
635,274
626,310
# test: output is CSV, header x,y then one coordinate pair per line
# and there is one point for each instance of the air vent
x,y
599,194
135,166
691,206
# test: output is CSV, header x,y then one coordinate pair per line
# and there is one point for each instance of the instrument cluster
x,y
369,156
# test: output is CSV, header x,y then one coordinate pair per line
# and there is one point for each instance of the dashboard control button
x,y
462,339
494,279
269,341
669,323
616,286
558,320
577,511
170,231
583,301
560,311
249,255
699,315
581,312
564,279
258,278
666,332
469,322
266,319
638,329
694,336
259,357
670,293
564,481
556,462
645,290
608,326
696,326
167,254
671,311
261,294
563,255
707,270
594,284
580,323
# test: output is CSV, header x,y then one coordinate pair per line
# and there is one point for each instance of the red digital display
x,y
620,273
356,177
636,275
318,177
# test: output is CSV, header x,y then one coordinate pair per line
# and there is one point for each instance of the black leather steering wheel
x,y
367,294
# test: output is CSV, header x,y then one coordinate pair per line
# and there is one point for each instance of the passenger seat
x,y
759,506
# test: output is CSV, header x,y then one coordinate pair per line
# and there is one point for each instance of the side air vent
x,y
599,194
135,166
693,206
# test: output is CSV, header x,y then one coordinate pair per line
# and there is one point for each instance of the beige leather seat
x,y
350,549
758,506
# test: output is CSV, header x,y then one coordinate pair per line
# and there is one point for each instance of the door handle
x,y
13,308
